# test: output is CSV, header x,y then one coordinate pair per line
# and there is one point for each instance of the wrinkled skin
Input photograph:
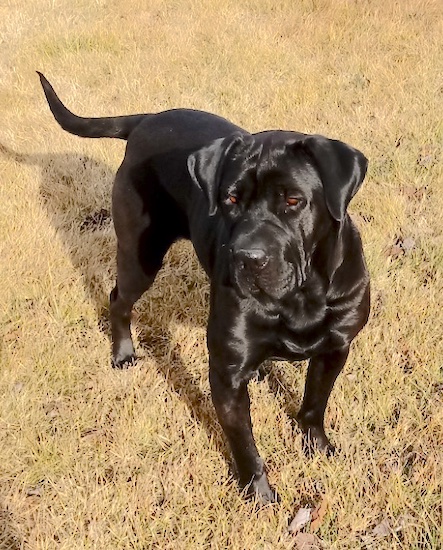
x,y
267,216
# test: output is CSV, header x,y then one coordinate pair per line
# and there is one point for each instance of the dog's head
x,y
279,194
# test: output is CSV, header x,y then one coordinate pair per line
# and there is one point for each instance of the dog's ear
x,y
206,166
342,170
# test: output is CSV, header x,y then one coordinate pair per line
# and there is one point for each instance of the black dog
x,y
267,216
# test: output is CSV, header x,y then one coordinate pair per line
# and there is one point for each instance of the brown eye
x,y
292,201
233,199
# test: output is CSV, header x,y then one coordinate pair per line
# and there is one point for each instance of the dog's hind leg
x,y
137,267
147,222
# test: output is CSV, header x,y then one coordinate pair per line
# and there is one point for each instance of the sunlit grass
x,y
95,458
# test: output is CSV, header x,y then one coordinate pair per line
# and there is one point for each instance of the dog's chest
x,y
301,345
303,329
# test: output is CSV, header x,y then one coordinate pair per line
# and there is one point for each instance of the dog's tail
x,y
113,127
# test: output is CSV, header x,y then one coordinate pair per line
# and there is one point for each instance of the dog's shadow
x,y
75,191
76,194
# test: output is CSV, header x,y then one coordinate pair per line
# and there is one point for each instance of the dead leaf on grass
x,y
93,435
308,541
414,193
34,491
302,517
408,244
428,156
400,247
318,514
18,387
383,529
386,528
394,252
13,335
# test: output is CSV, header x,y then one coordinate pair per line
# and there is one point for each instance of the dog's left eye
x,y
292,201
233,199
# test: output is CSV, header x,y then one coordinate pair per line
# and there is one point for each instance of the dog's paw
x,y
315,440
260,489
123,355
124,363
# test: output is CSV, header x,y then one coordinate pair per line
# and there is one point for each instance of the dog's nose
x,y
253,259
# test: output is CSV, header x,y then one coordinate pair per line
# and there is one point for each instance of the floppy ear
x,y
206,166
342,170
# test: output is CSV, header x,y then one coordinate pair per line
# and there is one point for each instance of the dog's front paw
x,y
314,439
124,356
260,489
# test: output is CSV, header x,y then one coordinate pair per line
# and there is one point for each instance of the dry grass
x,y
94,458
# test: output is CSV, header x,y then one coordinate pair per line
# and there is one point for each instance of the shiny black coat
x,y
267,215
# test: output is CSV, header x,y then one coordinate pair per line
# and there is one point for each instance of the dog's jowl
x,y
267,215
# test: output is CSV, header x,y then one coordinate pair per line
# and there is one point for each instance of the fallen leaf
x,y
302,517
414,193
400,247
318,514
93,435
307,541
34,491
426,160
383,529
12,336
53,413
18,387
428,156
394,251
408,244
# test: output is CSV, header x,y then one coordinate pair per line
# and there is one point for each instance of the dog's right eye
x,y
292,201
233,199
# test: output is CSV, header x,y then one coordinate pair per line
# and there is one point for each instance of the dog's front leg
x,y
232,404
322,373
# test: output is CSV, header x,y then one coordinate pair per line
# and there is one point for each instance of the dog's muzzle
x,y
255,271
253,260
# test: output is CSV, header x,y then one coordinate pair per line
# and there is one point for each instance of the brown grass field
x,y
96,458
